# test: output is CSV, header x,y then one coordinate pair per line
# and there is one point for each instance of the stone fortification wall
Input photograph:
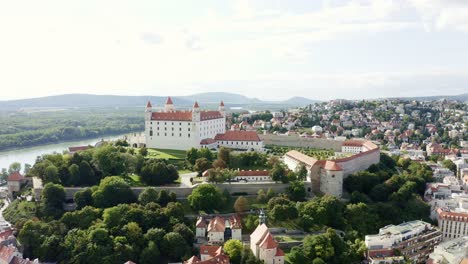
x,y
250,188
296,141
359,162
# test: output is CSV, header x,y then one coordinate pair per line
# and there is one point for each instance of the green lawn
x,y
166,153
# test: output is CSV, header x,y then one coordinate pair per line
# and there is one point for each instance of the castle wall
x,y
359,162
296,141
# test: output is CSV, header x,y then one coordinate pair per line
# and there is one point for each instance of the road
x,y
2,220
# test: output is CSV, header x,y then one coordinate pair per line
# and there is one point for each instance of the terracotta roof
x,y
235,222
268,242
5,234
279,252
253,173
298,156
207,141
331,165
201,222
216,224
210,250
352,143
238,136
192,260
78,148
221,104
172,116
15,176
169,100
17,260
258,234
208,115
195,105
453,216
148,105
6,253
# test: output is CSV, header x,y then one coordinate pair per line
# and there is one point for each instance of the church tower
x,y
169,106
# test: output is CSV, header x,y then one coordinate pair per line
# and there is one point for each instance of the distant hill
x,y
111,101
460,97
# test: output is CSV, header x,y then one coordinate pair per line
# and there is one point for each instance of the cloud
x,y
443,14
151,38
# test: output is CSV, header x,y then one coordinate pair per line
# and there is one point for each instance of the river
x,y
28,155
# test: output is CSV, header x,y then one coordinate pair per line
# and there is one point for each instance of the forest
x,y
30,128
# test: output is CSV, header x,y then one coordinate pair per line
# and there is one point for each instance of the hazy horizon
x,y
271,50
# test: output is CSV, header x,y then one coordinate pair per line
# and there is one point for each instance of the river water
x,y
28,155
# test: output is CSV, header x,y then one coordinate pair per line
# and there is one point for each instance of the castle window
x,y
188,135
157,128
165,134
172,134
172,129
180,134
180,129
165,128
189,129
333,176
158,123
165,123
151,133
172,123
158,133
189,124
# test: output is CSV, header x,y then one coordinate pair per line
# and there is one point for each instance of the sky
x,y
269,49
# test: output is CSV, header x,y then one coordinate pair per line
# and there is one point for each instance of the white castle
x,y
185,129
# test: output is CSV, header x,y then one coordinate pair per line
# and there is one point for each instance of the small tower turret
x,y
196,112
221,108
148,111
169,106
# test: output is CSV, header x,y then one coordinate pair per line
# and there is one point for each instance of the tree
x,y
270,194
206,153
156,172
360,218
112,191
192,155
53,197
87,175
261,196
201,165
206,197
74,171
144,151
450,165
150,253
297,255
83,198
233,248
241,204
301,172
218,163
174,246
296,191
51,174
148,195
109,160
277,173
14,167
184,231
224,155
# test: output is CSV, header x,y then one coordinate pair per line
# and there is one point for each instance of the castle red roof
x,y
207,141
169,100
172,116
279,252
208,115
78,148
221,104
15,176
148,105
238,136
332,166
195,105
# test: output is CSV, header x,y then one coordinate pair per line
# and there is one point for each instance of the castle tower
x,y
169,106
148,111
195,112
221,108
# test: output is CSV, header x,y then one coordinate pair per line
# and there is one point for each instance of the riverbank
x,y
28,155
